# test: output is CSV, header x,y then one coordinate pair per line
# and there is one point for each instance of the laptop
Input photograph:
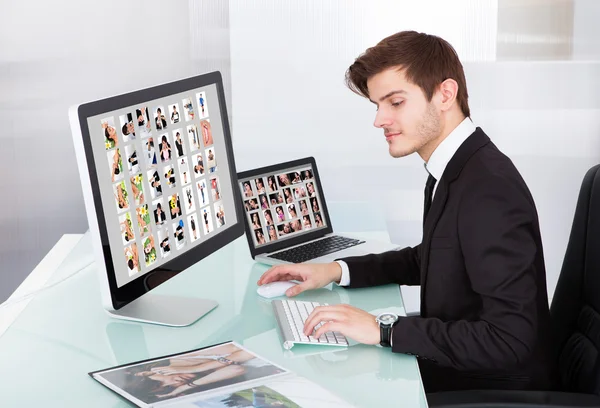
x,y
287,219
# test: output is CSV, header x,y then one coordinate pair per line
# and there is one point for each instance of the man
x,y
484,310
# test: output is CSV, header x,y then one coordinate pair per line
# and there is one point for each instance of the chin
x,y
401,151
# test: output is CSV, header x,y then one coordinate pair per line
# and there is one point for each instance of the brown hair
x,y
427,61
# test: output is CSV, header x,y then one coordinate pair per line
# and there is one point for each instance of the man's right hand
x,y
311,276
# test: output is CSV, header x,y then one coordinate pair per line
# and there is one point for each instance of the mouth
x,y
390,136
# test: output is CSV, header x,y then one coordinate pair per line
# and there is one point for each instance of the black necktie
x,y
428,195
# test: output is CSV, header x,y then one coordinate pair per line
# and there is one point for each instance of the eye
x,y
396,104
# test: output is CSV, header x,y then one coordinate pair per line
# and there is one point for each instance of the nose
x,y
382,119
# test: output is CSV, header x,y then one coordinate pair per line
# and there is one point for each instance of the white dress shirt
x,y
436,165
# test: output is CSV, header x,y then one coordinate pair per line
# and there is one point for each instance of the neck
x,y
449,123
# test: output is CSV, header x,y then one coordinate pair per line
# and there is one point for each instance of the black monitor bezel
x,y
121,296
278,168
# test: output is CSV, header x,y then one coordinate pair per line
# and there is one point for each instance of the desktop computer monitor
x,y
158,179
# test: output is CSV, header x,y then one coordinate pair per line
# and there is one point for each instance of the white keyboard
x,y
291,315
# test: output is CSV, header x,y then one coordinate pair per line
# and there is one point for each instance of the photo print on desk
x,y
207,137
126,226
219,214
179,143
179,234
174,206
202,105
163,243
211,160
132,259
169,174
137,189
132,159
194,227
215,187
164,148
198,163
158,209
174,113
193,137
149,250
149,153
143,219
190,203
271,184
121,196
154,182
206,216
202,192
184,171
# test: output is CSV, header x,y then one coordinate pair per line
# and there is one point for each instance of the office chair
x,y
575,313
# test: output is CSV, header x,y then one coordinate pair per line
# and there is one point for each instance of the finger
x,y
329,327
322,316
277,273
296,290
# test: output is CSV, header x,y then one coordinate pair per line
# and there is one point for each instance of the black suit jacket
x,y
484,309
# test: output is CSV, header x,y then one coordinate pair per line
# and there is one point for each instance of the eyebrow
x,y
383,98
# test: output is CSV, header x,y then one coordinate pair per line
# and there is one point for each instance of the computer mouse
x,y
274,289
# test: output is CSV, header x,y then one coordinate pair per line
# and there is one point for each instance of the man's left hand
x,y
348,320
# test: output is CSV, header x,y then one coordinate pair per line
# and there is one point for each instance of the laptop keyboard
x,y
316,249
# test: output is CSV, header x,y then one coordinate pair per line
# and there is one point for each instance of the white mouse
x,y
274,289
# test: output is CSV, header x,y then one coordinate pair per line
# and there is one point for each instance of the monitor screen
x,y
282,204
161,170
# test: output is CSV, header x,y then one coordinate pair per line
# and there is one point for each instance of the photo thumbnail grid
x,y
168,196
281,205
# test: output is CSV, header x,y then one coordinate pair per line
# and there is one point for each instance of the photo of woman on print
x,y
174,206
296,178
170,176
174,113
314,204
188,109
264,201
318,220
272,233
163,243
143,119
311,190
132,259
271,183
251,204
292,210
159,118
205,370
280,214
216,189
137,189
260,237
159,214
208,227
126,228
184,171
198,164
211,161
149,250
116,164
193,229
284,180
110,134
268,217
284,229
154,181
287,193
201,188
256,221
143,219
207,137
303,207
150,153
248,189
306,221
127,127
260,185
179,234
307,175
190,205
178,143
201,97
121,196
132,160
299,192
165,148
193,137
220,214
296,226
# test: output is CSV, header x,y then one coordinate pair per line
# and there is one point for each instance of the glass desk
x,y
64,333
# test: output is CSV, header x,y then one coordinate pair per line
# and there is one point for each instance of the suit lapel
x,y
477,140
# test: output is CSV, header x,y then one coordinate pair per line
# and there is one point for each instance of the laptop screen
x,y
282,205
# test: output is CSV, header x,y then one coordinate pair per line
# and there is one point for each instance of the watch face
x,y
387,318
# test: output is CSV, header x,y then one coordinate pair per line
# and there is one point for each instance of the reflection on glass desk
x,y
64,333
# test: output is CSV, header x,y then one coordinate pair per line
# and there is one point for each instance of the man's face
x,y
408,120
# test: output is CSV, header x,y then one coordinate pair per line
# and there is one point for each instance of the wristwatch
x,y
386,321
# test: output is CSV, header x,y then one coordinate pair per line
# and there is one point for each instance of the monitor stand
x,y
165,310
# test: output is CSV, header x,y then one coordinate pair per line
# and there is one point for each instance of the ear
x,y
448,92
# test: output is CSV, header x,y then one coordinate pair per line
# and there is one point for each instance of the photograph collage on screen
x,y
163,166
281,205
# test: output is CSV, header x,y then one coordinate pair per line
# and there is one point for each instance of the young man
x,y
484,310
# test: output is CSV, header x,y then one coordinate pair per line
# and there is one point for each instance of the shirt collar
x,y
442,155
